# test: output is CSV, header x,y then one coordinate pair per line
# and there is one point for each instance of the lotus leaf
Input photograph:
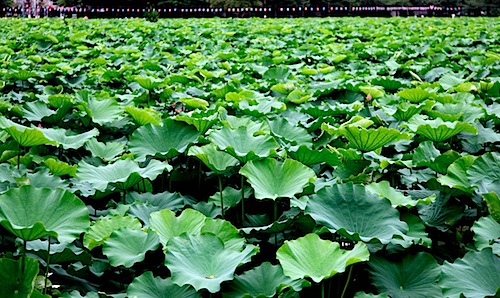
x,y
106,151
165,141
487,234
485,173
203,262
398,199
265,280
415,95
123,173
310,256
127,246
241,144
289,133
167,225
148,286
104,227
272,179
438,130
143,116
355,212
218,161
309,157
68,139
17,278
31,213
413,276
475,275
456,176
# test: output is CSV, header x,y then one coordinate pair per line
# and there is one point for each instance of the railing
x,y
175,12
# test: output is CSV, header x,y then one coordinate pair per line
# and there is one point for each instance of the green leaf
x,y
442,214
106,151
241,144
203,262
309,157
104,111
36,111
476,275
31,213
289,133
413,276
276,73
398,199
456,174
226,232
487,234
265,280
129,246
144,116
148,286
17,277
272,179
167,225
438,130
373,91
415,95
416,232
493,203
485,173
310,256
231,196
356,213
123,173
104,227
60,168
218,161
195,103
68,139
165,141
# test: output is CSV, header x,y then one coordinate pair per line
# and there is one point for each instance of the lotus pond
x,y
250,158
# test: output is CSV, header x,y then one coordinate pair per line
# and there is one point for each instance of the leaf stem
x,y
242,199
323,289
275,218
47,268
347,281
221,196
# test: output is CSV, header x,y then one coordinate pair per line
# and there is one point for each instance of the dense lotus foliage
x,y
250,158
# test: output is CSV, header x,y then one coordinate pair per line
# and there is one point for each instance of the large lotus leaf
x,y
24,136
167,141
203,262
276,73
164,200
218,161
60,168
456,176
202,122
36,111
128,246
289,133
148,286
356,212
485,173
476,275
413,276
405,110
31,213
167,225
309,156
144,116
398,199
16,282
272,179
438,130
414,95
310,256
59,252
226,232
371,139
231,197
242,144
68,139
373,91
106,151
443,213
487,234
104,111
104,227
264,280
120,173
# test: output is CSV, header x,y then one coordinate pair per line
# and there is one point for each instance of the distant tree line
x,y
485,5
